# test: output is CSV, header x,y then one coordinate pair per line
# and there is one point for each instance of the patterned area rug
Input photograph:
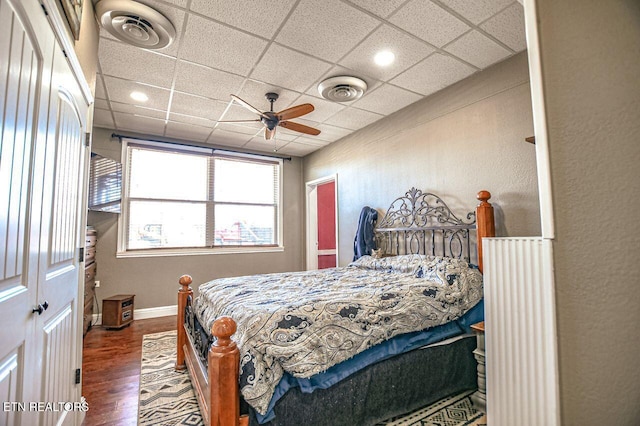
x,y
167,398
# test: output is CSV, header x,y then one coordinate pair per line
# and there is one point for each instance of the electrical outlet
x,y
97,283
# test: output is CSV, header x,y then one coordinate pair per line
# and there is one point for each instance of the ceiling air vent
x,y
135,23
342,88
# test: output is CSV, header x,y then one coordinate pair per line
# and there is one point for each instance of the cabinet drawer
x,y
91,240
90,272
89,254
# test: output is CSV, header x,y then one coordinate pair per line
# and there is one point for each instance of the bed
x,y
342,345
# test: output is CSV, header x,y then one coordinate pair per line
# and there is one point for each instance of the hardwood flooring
x,y
111,371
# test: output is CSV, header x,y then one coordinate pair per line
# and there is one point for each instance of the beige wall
x,y
86,47
591,67
154,279
463,139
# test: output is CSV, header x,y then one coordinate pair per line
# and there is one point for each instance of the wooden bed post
x,y
183,295
484,222
224,365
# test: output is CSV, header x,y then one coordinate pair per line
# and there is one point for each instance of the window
x,y
178,197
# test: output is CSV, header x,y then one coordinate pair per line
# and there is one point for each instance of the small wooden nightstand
x,y
117,311
479,397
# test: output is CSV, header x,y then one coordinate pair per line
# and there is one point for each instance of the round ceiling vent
x,y
135,23
342,88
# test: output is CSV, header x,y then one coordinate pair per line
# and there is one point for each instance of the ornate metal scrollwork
x,y
422,223
421,209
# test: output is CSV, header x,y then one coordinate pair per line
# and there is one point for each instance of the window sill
x,y
196,252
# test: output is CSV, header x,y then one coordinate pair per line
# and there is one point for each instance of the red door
x,y
327,225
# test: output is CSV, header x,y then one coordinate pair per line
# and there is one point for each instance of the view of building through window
x,y
181,199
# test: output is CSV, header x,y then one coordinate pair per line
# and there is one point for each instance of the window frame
x,y
123,218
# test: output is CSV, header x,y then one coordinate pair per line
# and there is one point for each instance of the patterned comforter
x,y
306,322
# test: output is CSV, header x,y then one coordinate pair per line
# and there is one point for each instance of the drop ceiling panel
x,y
258,17
254,92
382,8
407,50
102,118
197,106
355,119
331,133
209,43
323,108
101,103
242,128
139,124
189,119
224,137
259,144
138,110
237,112
476,11
477,49
204,81
275,67
326,29
181,3
507,26
119,90
433,74
298,149
429,21
249,48
100,92
132,63
386,99
187,131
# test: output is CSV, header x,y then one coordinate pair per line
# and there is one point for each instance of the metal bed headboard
x,y
421,223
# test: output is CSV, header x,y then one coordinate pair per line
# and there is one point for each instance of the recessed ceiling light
x,y
139,96
384,58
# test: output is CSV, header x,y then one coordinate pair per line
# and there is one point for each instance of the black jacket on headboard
x,y
365,241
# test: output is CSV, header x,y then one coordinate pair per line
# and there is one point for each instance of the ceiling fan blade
x,y
246,105
293,112
239,121
268,134
297,127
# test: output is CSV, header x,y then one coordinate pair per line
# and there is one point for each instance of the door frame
x,y
311,197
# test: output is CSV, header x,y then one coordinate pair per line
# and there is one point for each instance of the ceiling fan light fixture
x,y
342,88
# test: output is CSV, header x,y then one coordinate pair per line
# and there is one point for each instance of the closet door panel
x,y
25,52
60,263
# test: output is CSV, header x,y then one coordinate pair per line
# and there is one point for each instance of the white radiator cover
x,y
520,332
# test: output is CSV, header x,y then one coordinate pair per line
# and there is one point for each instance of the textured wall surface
x,y
465,138
154,280
591,62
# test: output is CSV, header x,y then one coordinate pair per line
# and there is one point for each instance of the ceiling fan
x,y
272,119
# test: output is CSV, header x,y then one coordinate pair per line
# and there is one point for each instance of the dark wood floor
x,y
111,371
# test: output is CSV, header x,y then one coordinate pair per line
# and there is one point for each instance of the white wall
x,y
458,141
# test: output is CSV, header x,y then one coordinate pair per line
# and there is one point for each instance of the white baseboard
x,y
138,314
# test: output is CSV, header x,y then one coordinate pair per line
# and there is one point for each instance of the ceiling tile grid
x,y
248,48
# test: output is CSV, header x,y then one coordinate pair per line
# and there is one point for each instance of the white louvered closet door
x,y
42,154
